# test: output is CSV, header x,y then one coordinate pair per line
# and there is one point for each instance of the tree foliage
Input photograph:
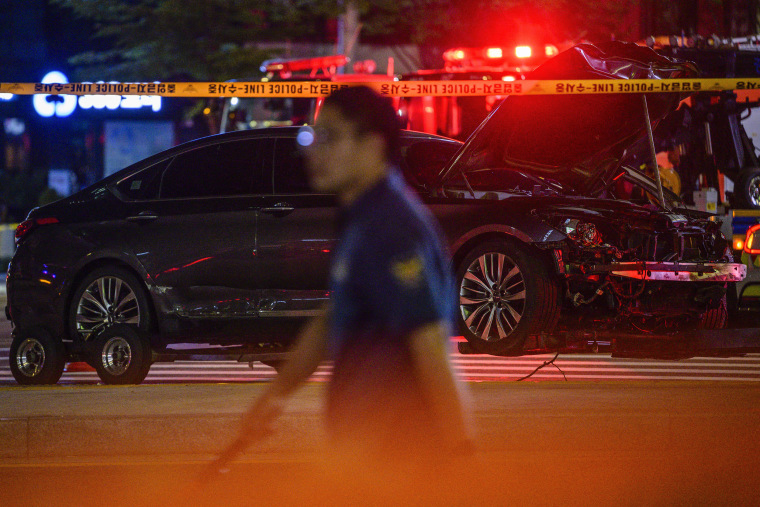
x,y
160,39
218,39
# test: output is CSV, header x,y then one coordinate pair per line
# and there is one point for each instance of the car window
x,y
289,171
422,161
223,169
144,184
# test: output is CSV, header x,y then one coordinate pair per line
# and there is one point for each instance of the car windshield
x,y
640,187
506,180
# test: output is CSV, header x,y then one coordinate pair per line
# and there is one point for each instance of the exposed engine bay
x,y
629,268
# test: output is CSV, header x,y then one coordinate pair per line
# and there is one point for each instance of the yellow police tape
x,y
389,88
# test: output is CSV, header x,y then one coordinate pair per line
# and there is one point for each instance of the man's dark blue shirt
x,y
390,276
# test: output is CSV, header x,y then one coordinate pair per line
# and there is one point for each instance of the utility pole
x,y
348,31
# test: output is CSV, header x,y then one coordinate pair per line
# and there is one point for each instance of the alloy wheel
x,y
116,356
754,191
107,300
30,357
492,296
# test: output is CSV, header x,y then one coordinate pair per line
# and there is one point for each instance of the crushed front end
x,y
628,268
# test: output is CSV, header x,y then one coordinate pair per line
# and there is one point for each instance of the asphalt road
x,y
586,430
540,443
683,433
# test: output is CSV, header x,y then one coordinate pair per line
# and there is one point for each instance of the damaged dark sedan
x,y
551,235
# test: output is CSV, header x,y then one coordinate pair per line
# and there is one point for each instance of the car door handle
x,y
143,216
281,208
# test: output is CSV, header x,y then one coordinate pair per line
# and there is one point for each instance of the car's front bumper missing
x,y
677,271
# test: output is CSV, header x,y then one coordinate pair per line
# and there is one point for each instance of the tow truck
x,y
708,131
710,140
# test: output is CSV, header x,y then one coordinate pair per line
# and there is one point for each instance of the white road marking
x,y
475,368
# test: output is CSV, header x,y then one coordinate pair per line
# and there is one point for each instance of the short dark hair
x,y
370,112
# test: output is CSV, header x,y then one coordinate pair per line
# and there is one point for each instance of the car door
x,y
197,237
296,237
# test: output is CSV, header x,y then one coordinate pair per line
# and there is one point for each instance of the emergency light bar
x,y
523,52
310,64
497,56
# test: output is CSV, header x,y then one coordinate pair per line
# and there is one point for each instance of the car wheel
x,y
715,318
36,358
505,295
121,355
747,188
107,296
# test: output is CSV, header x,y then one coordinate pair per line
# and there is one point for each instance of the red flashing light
x,y
550,50
27,226
752,240
497,56
523,52
454,55
310,64
494,53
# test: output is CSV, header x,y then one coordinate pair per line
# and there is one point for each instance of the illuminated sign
x,y
120,102
14,126
63,105
54,105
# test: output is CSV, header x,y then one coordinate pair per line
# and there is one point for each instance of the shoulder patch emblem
x,y
408,271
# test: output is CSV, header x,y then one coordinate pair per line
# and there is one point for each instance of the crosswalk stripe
x,y
470,367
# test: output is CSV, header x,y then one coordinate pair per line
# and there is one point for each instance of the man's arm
x,y
446,396
308,352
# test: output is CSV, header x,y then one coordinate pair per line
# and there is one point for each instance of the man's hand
x,y
256,425
307,353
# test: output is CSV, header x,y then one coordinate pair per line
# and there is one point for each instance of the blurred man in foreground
x,y
393,398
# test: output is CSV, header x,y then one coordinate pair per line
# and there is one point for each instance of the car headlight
x,y
584,233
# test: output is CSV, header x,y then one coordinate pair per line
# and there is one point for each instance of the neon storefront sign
x,y
62,106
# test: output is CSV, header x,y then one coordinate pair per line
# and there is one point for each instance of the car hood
x,y
577,141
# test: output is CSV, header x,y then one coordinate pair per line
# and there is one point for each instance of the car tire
x,y
526,304
715,318
121,355
106,296
747,189
36,358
